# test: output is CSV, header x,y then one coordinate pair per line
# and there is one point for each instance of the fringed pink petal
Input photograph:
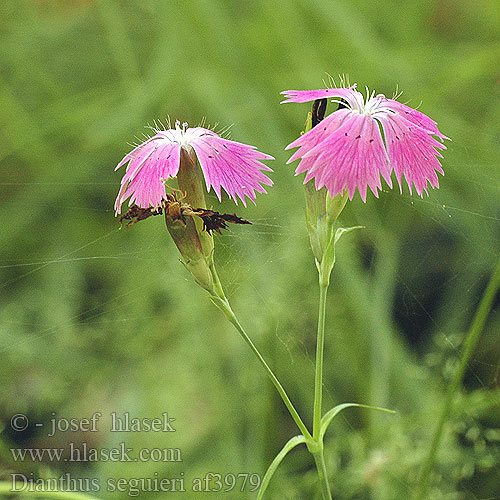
x,y
353,156
149,163
133,153
316,135
412,151
231,165
350,95
414,116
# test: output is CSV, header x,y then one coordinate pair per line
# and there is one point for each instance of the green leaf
x,y
296,440
344,230
329,257
331,414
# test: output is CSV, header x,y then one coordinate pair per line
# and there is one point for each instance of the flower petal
x,y
231,165
351,157
412,151
352,96
149,163
317,134
414,116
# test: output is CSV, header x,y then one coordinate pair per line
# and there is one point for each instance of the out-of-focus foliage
x,y
94,318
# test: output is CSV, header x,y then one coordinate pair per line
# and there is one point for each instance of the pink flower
x,y
228,164
347,151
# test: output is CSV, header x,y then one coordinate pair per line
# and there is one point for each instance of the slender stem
x,y
222,303
469,346
320,343
9,488
319,458
324,271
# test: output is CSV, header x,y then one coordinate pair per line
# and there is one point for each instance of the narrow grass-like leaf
x,y
331,414
292,443
344,230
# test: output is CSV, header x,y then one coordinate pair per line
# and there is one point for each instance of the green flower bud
x,y
183,230
190,182
321,211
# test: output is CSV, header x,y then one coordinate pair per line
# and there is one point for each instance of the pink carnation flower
x,y
228,164
347,151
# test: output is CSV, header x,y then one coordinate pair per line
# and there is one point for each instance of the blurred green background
x,y
94,318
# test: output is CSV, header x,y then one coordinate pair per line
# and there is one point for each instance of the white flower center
x,y
371,105
183,135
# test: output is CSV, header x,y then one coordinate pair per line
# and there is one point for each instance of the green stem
x,y
324,271
470,343
6,488
319,459
222,303
320,343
